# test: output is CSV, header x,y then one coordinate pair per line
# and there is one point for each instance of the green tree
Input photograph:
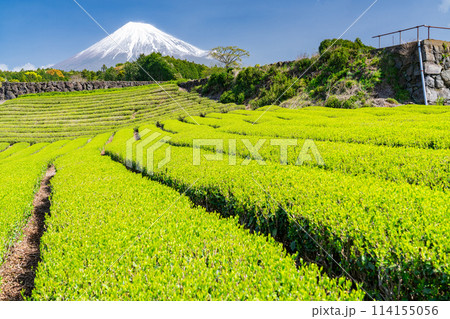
x,y
32,77
230,56
154,65
131,71
110,74
88,75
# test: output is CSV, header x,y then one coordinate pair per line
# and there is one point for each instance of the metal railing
x,y
429,27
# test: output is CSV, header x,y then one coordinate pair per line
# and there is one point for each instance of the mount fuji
x,y
127,43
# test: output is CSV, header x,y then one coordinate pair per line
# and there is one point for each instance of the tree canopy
x,y
230,56
161,68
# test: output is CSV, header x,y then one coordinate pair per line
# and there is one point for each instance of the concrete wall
x,y
436,60
9,90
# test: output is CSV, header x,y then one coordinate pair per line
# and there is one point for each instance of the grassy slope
x,y
344,74
54,116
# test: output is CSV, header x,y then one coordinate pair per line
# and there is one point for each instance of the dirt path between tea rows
x,y
19,270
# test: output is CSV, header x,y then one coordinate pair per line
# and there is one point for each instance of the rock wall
x,y
189,85
436,61
10,90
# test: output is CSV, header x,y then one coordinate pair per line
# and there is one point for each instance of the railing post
x,y
429,27
422,74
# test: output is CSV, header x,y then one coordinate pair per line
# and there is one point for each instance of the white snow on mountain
x,y
127,43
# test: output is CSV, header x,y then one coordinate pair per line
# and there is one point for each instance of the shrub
x,y
392,101
440,101
218,82
179,81
303,64
351,103
227,97
333,102
240,98
55,72
33,77
339,59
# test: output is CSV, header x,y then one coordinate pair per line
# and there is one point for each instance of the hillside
x,y
52,116
343,74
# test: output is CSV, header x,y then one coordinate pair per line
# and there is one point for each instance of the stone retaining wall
x,y
11,90
189,85
436,61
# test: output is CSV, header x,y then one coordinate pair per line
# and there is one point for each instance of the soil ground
x,y
19,270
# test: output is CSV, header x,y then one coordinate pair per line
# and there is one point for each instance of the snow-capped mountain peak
x,y
127,43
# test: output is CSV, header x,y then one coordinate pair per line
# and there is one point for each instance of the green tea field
x,y
50,117
158,197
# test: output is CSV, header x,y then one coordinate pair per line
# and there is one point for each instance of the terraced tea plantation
x,y
53,116
273,204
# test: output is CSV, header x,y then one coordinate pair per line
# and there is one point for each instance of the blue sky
x,y
48,31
